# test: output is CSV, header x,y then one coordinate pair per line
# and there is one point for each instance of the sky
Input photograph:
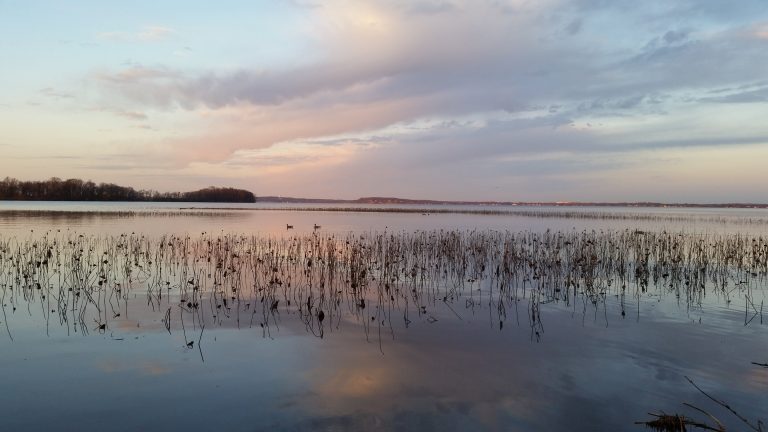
x,y
509,100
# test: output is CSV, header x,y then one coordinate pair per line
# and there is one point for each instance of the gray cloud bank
x,y
498,80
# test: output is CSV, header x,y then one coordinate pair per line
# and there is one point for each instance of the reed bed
x,y
86,282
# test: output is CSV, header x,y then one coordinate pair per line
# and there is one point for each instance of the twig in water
x,y
167,320
758,428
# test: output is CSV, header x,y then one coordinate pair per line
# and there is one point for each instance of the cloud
x,y
429,7
761,32
183,52
758,95
674,36
137,75
512,66
574,26
303,4
133,115
408,54
52,93
146,34
154,33
579,85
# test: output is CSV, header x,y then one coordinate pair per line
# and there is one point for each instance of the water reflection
x,y
453,330
266,218
374,279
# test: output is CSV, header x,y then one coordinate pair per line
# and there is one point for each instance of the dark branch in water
x,y
674,423
758,428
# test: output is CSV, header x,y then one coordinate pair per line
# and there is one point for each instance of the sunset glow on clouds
x,y
504,100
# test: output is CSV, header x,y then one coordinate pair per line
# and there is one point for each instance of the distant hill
x,y
404,201
291,200
364,200
55,189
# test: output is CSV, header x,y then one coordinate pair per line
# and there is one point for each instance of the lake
x,y
168,316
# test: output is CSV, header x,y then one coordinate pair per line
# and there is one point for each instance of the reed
x,y
85,281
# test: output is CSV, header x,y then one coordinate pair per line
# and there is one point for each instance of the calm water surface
x,y
584,363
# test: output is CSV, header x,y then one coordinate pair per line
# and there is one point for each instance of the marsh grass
x,y
85,282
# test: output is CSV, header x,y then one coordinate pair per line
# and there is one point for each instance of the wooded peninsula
x,y
56,189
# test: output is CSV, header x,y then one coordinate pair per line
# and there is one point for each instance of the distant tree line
x,y
56,189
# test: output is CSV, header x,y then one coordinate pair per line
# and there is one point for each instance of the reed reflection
x,y
378,280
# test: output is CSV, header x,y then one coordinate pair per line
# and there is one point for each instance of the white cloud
x,y
146,34
154,33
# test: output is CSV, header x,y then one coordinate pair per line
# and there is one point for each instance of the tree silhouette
x,y
56,189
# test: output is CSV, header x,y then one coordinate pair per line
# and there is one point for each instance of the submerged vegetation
x,y
56,189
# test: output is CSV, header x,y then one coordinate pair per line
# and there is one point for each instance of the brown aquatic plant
x,y
377,277
676,422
